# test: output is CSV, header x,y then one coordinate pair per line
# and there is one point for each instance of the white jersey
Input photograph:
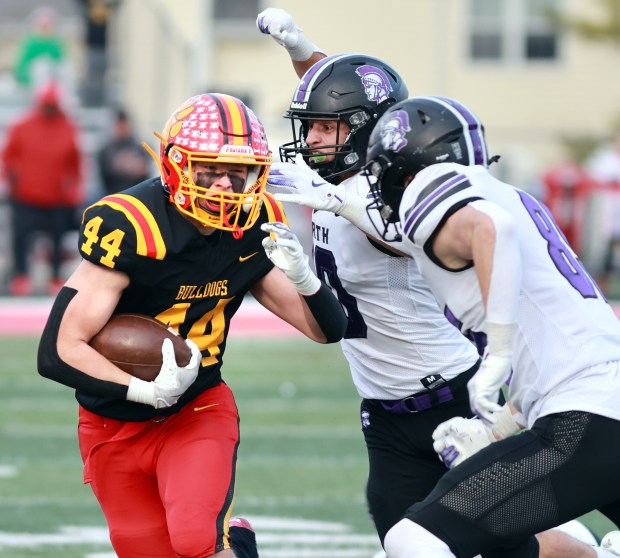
x,y
396,334
566,331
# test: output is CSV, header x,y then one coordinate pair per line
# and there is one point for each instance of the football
x,y
133,342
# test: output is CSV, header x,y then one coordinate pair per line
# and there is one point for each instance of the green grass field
x,y
302,461
302,455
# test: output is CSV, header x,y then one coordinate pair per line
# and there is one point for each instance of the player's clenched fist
x,y
283,29
280,25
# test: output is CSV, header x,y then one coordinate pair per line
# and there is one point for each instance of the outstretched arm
x,y
304,186
294,293
284,31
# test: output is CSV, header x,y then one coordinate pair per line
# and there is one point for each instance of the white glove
x,y
611,542
309,189
283,29
459,438
285,251
171,382
485,385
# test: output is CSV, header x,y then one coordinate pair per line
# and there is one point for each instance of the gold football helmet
x,y
214,128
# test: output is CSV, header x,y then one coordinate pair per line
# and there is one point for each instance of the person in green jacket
x,y
42,44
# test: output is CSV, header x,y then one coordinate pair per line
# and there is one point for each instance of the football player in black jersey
x,y
160,456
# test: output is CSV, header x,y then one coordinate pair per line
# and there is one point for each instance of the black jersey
x,y
191,282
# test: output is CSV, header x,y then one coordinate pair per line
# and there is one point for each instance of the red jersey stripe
x,y
148,236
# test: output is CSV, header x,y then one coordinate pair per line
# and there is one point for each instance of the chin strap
x,y
237,230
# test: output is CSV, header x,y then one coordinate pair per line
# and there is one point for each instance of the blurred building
x,y
530,83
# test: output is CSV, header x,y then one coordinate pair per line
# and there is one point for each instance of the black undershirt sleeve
x,y
328,313
50,365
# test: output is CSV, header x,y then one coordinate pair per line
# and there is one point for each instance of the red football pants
x,y
165,488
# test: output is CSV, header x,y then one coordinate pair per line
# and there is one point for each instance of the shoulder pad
x,y
431,196
116,229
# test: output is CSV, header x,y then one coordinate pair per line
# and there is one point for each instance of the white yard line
x,y
277,538
7,471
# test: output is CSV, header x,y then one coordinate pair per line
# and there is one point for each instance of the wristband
x,y
303,50
499,339
506,424
309,285
141,392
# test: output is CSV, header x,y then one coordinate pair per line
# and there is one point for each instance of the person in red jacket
x,y
42,167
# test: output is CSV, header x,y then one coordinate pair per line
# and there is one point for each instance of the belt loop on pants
x,y
424,400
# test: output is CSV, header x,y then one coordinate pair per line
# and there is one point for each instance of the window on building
x,y
512,30
541,40
236,10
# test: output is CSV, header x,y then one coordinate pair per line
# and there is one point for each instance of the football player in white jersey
x,y
407,364
499,266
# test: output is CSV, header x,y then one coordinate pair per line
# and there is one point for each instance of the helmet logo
x,y
175,122
376,84
394,130
456,149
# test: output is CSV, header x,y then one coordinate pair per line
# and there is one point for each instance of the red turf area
x,y
27,316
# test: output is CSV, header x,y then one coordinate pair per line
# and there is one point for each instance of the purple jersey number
x,y
327,270
560,252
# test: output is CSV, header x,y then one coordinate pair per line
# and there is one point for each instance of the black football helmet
x,y
352,88
412,135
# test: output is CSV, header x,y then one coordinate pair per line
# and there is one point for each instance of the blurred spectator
x,y
604,168
122,161
96,14
566,189
42,167
41,53
604,165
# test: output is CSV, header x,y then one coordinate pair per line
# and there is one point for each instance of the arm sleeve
x,y
51,366
328,313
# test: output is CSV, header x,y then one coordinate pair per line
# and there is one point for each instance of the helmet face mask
x,y
412,135
351,89
214,129
328,158
379,171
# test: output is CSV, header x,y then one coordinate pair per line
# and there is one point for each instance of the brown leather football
x,y
133,342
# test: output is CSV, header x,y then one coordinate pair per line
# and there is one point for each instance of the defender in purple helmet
x,y
407,364
501,269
